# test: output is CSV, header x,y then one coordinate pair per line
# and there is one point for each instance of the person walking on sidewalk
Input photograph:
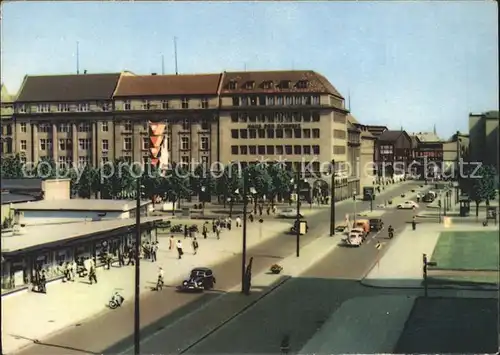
x,y
179,249
229,224
121,259
92,272
171,243
205,231
43,282
131,257
195,246
238,222
154,250
217,231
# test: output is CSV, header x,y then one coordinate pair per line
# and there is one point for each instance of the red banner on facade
x,y
154,161
157,129
154,152
156,141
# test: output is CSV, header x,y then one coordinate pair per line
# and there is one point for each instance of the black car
x,y
200,278
376,224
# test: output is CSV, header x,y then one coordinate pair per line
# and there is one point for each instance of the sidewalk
x,y
230,305
363,325
35,316
401,264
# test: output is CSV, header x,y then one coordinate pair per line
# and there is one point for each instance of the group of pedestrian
x,y
40,280
178,246
150,250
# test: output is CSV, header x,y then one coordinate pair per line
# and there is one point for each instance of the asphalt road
x,y
301,305
112,331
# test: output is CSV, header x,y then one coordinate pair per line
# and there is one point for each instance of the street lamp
x,y
354,193
137,315
297,219
244,282
332,201
203,189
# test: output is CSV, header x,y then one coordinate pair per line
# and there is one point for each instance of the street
x,y
111,331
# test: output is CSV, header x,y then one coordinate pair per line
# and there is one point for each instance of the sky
x,y
402,64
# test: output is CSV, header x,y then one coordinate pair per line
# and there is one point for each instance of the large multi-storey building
x,y
483,133
7,111
294,116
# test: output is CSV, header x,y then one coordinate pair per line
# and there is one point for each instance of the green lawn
x,y
467,251
482,279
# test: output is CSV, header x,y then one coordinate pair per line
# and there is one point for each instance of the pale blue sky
x,y
411,64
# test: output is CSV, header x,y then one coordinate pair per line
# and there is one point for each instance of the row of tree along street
x,y
117,180
481,185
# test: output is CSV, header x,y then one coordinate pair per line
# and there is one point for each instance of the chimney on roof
x,y
153,73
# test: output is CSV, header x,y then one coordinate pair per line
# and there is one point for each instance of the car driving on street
x,y
407,205
289,213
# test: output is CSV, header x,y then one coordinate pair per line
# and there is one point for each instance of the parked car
x,y
289,213
429,198
407,205
200,278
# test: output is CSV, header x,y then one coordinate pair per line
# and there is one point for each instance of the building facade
x,y
394,153
297,117
6,120
483,134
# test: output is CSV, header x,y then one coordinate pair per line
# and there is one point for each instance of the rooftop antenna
x,y
77,57
175,54
162,64
349,100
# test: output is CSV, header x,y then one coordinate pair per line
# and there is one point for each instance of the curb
x,y
432,287
237,314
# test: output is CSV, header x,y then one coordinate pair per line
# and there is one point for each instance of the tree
x,y
86,181
483,186
229,183
281,183
152,182
176,186
202,183
46,168
12,167
258,177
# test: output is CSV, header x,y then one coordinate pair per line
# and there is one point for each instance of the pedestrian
x,y
171,243
268,210
260,210
274,209
213,226
217,231
43,282
250,217
205,231
121,260
179,249
238,222
131,257
109,260
229,224
72,270
92,274
154,250
195,246
185,231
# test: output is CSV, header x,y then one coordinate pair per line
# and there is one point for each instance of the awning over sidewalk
x,y
36,237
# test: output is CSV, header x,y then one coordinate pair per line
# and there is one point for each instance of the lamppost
x,y
332,201
297,218
203,189
244,246
137,315
354,193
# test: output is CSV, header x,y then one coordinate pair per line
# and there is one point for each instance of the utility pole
x,y
175,55
332,201
137,314
244,251
77,57
297,247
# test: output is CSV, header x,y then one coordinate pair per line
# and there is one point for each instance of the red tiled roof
x,y
159,85
317,83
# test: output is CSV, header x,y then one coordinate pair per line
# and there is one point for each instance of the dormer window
x,y
63,108
285,84
44,108
83,107
250,85
146,105
268,84
127,105
302,84
233,85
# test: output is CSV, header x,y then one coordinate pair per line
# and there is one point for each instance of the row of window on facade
x,y
86,144
264,100
282,149
186,103
269,84
87,127
275,133
281,117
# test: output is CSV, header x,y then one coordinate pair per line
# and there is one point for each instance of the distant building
x,y
394,153
483,133
7,111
